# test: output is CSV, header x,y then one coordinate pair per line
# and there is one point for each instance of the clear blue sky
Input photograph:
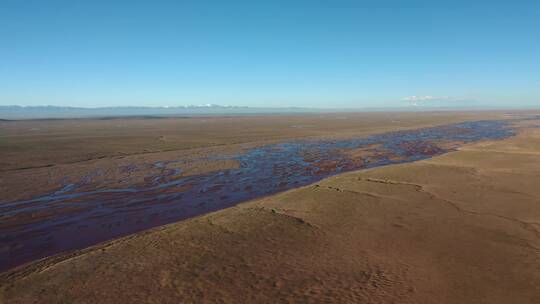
x,y
270,53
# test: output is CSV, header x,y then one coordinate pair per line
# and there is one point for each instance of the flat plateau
x,y
463,227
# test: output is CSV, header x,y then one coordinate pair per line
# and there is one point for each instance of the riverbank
x,y
458,228
125,198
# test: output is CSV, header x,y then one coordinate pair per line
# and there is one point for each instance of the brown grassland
x,y
36,155
463,227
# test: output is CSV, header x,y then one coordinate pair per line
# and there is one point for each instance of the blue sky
x,y
270,53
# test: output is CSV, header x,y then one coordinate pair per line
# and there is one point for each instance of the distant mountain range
x,y
34,112
58,112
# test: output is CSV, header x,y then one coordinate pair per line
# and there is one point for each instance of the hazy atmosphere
x,y
345,54
362,152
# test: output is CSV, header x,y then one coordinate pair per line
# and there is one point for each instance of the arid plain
x,y
462,227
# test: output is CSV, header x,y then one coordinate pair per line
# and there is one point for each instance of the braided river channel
x,y
78,218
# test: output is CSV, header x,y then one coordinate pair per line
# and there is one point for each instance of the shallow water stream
x,y
70,218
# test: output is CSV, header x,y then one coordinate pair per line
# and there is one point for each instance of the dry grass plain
x,y
38,143
36,156
460,228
